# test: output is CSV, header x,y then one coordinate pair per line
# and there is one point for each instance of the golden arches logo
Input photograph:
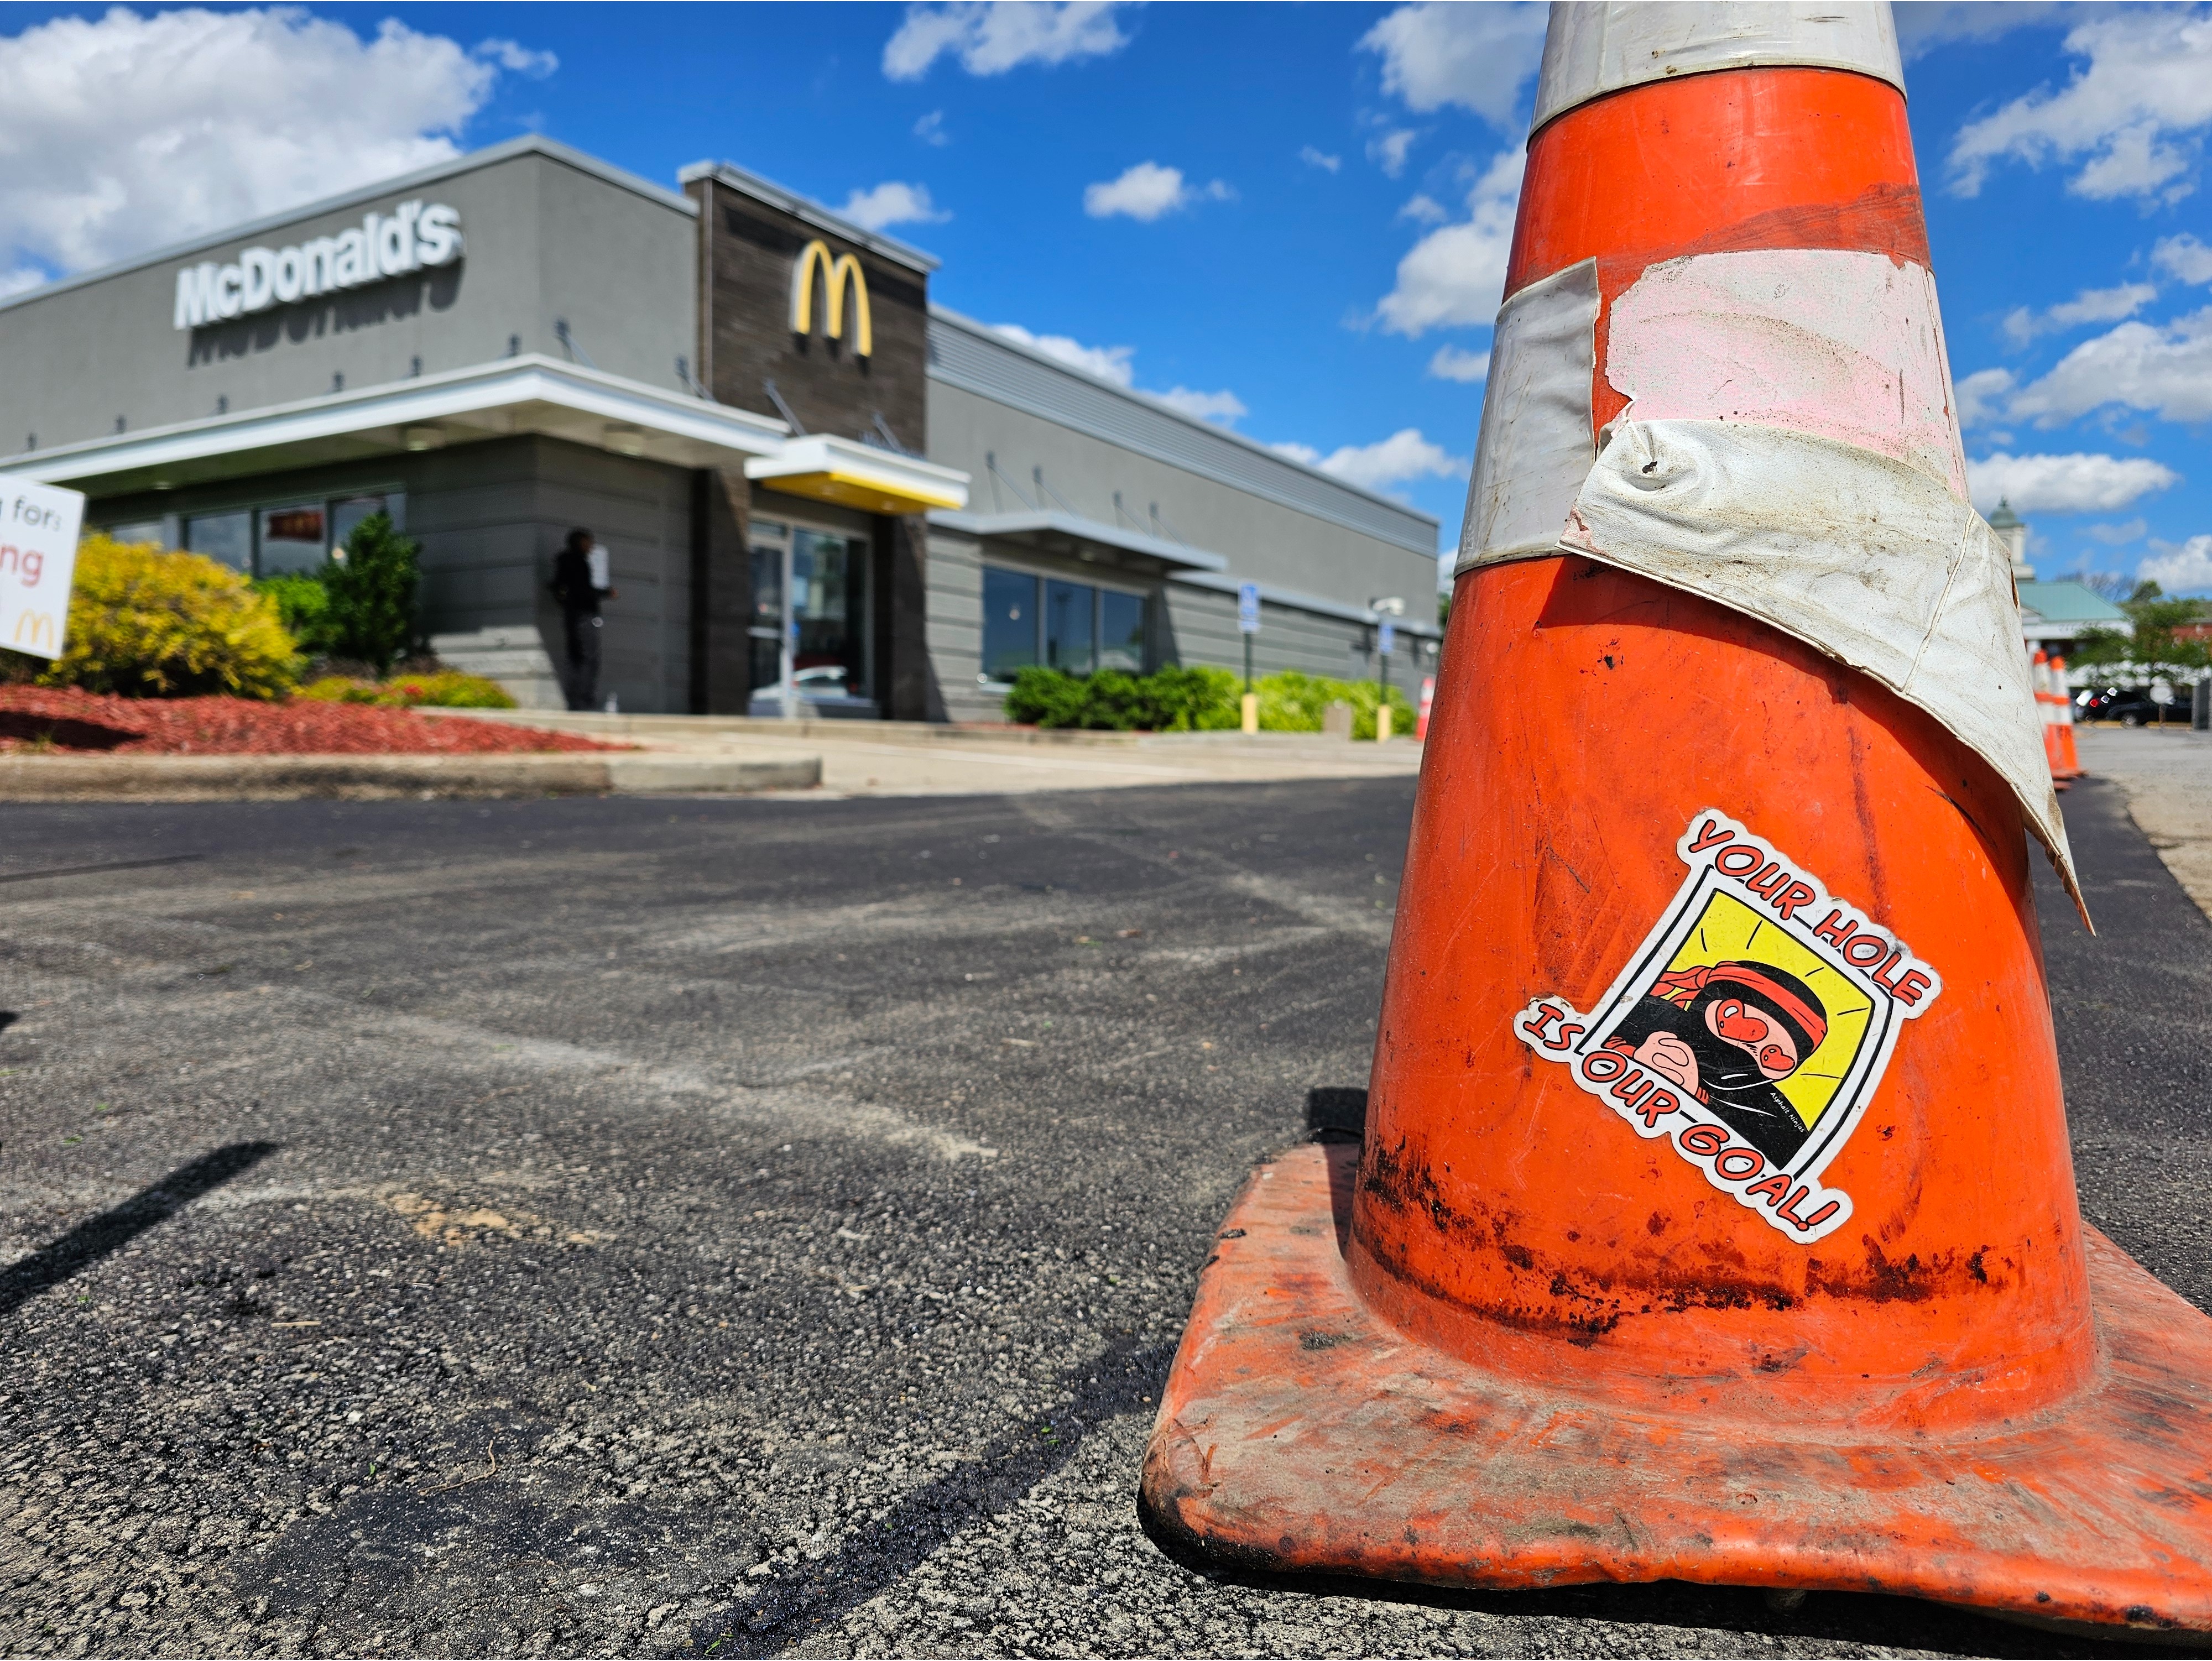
x,y
39,628
837,274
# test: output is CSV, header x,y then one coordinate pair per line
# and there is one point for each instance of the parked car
x,y
2132,706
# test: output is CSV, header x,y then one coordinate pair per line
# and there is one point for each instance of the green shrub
x,y
446,689
1046,698
304,603
144,622
1171,700
1291,702
372,594
1196,699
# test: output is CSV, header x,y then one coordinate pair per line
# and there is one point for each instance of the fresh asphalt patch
x,y
742,1228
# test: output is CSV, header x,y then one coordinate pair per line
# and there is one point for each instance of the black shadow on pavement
x,y
95,1237
920,1525
1336,1113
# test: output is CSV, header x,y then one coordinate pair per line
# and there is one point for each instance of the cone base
x,y
1299,1432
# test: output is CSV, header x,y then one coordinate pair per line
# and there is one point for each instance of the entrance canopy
x,y
527,394
861,475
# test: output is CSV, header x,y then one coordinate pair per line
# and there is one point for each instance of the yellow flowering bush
x,y
145,622
447,688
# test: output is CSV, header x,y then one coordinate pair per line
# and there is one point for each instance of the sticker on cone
x,y
1749,1030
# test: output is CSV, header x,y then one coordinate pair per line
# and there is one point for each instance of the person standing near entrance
x,y
583,576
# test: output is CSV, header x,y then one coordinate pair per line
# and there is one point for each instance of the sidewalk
x,y
914,758
2167,776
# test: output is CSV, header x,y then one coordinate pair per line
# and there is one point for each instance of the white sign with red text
x,y
39,526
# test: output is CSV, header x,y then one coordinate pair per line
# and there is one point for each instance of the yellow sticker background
x,y
1730,932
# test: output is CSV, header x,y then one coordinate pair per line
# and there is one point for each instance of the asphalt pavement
x,y
748,1227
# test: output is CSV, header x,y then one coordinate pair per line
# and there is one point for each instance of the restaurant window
x,y
1120,631
1010,623
226,537
285,538
1073,627
1070,621
293,538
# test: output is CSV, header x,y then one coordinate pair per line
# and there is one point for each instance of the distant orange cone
x,y
1716,1218
1428,702
2049,715
2068,764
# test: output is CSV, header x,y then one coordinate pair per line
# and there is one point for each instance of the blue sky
x,y
1289,219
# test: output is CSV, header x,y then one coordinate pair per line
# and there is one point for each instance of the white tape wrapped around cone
x,y
1742,368
1857,554
1535,447
1593,49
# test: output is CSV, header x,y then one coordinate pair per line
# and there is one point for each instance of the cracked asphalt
x,y
634,1226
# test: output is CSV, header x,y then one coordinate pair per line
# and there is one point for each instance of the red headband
x,y
1815,1024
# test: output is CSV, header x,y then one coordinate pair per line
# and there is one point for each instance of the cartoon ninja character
x,y
1726,1034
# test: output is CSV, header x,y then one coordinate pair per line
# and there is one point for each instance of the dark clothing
x,y
1728,1080
583,629
571,582
580,595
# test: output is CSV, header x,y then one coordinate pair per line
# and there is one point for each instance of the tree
x,y
372,588
2153,643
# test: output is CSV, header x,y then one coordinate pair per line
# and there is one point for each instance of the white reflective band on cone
x,y
1593,49
1535,444
1846,344
1742,368
1862,556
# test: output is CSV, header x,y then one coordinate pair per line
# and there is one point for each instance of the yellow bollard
x,y
1382,724
1251,712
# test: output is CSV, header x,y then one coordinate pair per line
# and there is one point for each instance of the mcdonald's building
x,y
821,492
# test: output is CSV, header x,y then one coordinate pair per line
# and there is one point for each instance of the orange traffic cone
x,y
1715,1219
2069,764
2050,709
1428,705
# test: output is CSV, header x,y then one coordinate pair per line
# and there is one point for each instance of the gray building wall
x,y
490,518
1276,521
547,233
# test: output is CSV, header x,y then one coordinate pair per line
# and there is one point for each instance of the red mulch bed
x,y
32,718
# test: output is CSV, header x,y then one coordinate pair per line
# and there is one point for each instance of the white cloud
x,y
2065,484
990,39
893,203
1923,25
1114,363
1475,57
1401,459
1148,191
2130,116
1457,274
125,132
1389,151
1224,406
2090,305
2177,569
2117,536
1456,363
1982,396
930,129
1314,158
2183,258
1425,209
513,55
2167,370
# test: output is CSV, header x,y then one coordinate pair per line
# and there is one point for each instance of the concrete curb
x,y
223,778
